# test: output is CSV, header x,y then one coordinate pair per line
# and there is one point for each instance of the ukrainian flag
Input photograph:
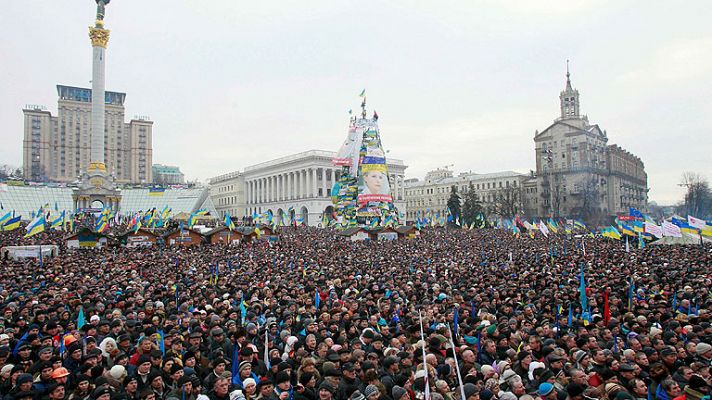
x,y
578,224
611,232
192,220
5,218
551,224
11,224
228,222
36,226
58,223
627,230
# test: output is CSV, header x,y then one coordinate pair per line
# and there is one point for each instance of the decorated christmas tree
x,y
362,195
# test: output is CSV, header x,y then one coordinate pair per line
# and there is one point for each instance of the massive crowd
x,y
342,320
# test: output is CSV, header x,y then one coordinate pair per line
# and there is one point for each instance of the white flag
x,y
670,229
696,222
543,228
653,229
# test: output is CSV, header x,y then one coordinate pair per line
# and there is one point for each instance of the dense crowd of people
x,y
451,314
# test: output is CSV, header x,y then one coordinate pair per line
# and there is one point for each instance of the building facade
x,y
301,182
432,193
167,175
228,194
578,174
58,148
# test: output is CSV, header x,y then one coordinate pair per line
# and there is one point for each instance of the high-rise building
x,y
578,173
58,148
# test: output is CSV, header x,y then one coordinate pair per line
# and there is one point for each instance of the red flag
x,y
606,308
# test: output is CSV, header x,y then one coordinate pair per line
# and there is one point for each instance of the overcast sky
x,y
233,83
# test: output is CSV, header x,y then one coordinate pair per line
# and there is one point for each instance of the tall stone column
x,y
323,182
314,185
302,183
99,40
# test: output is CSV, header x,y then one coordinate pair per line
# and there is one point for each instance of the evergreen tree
x,y
453,203
472,207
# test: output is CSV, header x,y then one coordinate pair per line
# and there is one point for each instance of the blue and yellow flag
x,y
36,226
58,223
5,218
228,222
11,224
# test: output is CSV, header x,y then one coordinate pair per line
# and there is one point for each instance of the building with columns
x,y
430,195
301,181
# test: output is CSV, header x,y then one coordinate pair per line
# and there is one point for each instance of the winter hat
x,y
470,389
117,372
398,392
702,348
23,378
545,388
247,382
574,389
281,377
244,365
326,385
7,368
370,390
357,395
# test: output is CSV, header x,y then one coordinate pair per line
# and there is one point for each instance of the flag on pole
x,y
267,363
457,364
235,365
582,290
455,322
317,299
36,226
426,392
81,321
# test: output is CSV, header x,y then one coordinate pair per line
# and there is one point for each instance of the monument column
x,y
99,40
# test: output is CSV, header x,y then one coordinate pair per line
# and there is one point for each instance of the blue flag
x,y
235,367
19,343
317,299
571,317
582,291
162,343
635,213
243,310
674,301
80,318
455,322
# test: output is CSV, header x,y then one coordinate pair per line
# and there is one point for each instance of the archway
x,y
97,204
329,211
304,215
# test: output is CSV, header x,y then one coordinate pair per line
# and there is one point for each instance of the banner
x,y
697,223
670,229
653,229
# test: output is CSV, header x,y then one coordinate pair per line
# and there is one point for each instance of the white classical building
x,y
432,193
301,181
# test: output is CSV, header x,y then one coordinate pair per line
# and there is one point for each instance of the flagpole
x,y
425,364
457,364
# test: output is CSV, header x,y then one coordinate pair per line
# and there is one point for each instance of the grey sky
x,y
232,83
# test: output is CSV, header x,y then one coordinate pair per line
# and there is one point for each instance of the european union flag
x,y
633,212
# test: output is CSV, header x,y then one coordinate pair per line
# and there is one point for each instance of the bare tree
x,y
552,194
589,201
508,201
9,171
698,198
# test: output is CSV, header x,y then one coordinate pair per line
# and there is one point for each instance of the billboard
x,y
373,184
